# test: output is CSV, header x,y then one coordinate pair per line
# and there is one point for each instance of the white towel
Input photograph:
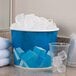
x,y
4,43
4,53
4,61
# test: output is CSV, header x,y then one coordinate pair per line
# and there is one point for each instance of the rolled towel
x,y
4,53
4,43
4,61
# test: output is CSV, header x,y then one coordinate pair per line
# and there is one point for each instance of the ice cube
x,y
19,19
46,61
57,61
44,57
19,51
61,68
16,55
39,51
63,55
50,53
30,58
23,64
31,20
44,20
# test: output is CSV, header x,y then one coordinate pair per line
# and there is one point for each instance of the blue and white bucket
x,y
27,39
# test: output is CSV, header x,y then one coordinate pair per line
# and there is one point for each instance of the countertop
x,y
14,71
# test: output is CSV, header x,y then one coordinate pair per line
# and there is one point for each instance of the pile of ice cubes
x,y
58,62
31,22
36,58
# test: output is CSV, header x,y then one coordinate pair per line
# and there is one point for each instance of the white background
x,y
4,14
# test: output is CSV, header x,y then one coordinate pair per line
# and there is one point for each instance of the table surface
x,y
14,71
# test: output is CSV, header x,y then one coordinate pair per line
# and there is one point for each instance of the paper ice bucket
x,y
24,41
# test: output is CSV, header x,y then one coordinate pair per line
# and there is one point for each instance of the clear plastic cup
x,y
60,53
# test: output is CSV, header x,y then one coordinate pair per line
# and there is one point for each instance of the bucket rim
x,y
17,28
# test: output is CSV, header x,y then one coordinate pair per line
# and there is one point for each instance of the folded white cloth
x,y
4,61
4,53
4,43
